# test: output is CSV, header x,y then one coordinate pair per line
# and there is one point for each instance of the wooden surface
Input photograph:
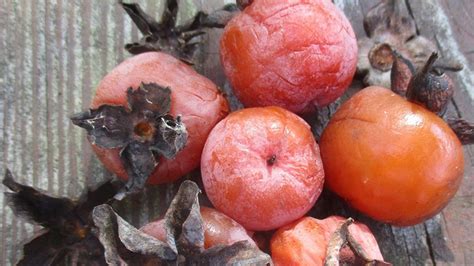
x,y
54,52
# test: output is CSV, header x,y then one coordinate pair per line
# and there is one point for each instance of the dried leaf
x,y
147,25
150,98
67,237
243,3
390,27
39,208
342,237
108,126
390,17
167,36
144,131
216,19
239,253
125,244
401,74
431,89
171,137
463,129
139,161
184,242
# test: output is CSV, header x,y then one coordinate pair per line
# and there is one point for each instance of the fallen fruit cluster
x,y
154,119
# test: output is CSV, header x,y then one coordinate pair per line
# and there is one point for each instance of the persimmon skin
x,y
391,159
305,241
261,167
219,229
302,242
361,233
194,97
296,54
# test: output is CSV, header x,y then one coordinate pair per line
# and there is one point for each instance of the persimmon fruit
x,y
195,98
261,166
294,54
305,242
219,229
390,158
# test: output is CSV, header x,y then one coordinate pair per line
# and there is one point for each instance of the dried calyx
x,y
463,129
67,234
242,4
166,36
431,88
144,131
389,28
124,244
342,238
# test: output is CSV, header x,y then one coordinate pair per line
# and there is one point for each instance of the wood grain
x,y
54,52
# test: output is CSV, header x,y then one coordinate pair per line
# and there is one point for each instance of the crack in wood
x,y
429,244
407,4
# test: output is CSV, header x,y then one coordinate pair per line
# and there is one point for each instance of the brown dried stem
x,y
342,237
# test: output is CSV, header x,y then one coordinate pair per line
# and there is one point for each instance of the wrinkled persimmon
x,y
297,54
195,98
261,167
219,229
305,242
390,158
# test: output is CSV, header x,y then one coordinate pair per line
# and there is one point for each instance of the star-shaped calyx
x,y
67,236
184,245
167,36
144,131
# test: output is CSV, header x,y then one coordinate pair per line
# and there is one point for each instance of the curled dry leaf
x,y
390,28
243,3
342,237
184,244
67,224
166,36
463,129
144,131
401,74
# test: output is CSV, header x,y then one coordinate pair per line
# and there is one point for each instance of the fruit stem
x,y
342,237
429,64
431,88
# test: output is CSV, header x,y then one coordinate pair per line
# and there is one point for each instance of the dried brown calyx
x,y
67,235
124,244
463,129
342,238
144,131
430,88
390,28
242,4
166,36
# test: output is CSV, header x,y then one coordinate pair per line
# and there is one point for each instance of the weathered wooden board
x,y
54,52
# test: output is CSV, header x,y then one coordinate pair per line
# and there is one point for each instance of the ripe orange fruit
x,y
391,159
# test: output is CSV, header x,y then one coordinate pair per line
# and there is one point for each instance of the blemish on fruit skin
x,y
365,180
